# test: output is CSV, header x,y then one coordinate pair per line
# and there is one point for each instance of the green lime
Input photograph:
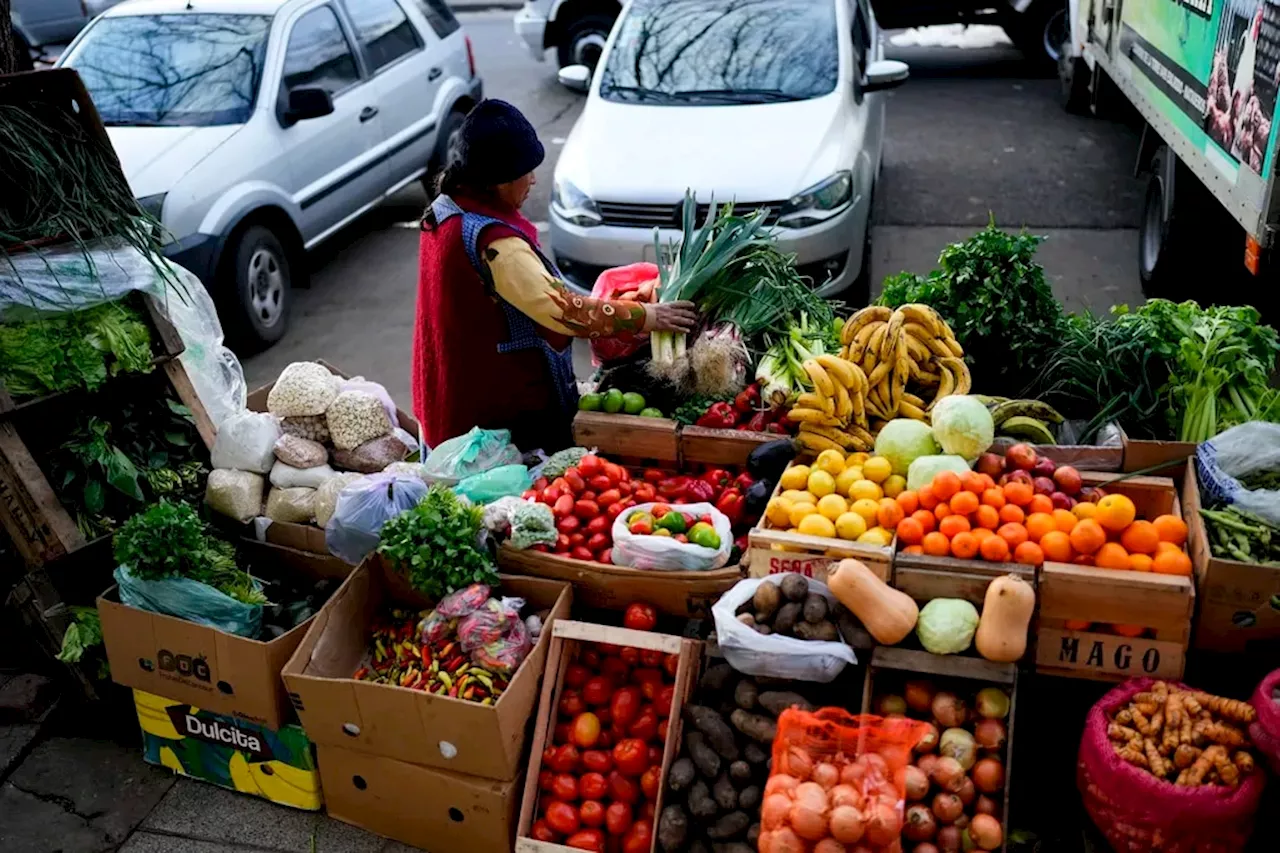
x,y
632,403
613,401
650,412
590,402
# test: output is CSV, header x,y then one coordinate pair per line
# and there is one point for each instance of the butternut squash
x,y
888,614
1006,617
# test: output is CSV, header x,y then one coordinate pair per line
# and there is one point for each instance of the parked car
x,y
575,29
254,129
36,24
776,103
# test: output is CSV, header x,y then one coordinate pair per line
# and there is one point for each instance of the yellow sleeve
x,y
520,278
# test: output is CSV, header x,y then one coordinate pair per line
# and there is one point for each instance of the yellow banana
x,y
911,410
889,345
875,377
961,370
928,378
821,381
811,416
954,346
858,404
908,397
844,407
938,346
810,400
842,370
877,340
860,319
917,331
815,443
860,341
946,384
917,349
917,312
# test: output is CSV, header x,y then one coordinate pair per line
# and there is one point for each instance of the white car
x,y
254,129
765,103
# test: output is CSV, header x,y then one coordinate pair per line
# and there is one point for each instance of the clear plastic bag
x,y
288,477
236,494
411,469
356,417
246,442
372,456
191,600
503,481
364,386
666,554
311,427
504,655
488,623
294,505
327,495
303,388
298,452
363,507
774,655
473,453
1251,448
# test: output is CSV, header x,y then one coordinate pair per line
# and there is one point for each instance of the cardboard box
x,y
245,757
432,809
410,725
202,666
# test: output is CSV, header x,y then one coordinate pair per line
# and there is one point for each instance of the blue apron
x,y
523,331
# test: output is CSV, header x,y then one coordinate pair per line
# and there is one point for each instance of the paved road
x,y
969,136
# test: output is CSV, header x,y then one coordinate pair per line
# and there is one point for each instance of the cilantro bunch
x,y
436,545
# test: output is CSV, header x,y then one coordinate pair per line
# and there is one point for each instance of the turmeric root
x,y
1185,756
1227,771
1156,724
1125,717
1189,702
1131,754
1122,733
1141,721
1221,733
1244,761
1155,761
1229,709
1195,774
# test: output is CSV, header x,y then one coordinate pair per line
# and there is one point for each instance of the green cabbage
x,y
963,426
946,625
925,468
79,349
902,441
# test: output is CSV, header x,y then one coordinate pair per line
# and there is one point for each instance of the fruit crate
x,y
1085,457
709,446
1074,599
890,668
566,638
1144,454
628,439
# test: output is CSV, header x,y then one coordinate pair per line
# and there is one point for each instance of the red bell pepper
x,y
717,477
731,503
748,399
699,490
757,423
674,489
719,416
743,482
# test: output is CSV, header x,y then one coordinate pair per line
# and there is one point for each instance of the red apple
x,y
1068,479
1043,486
1019,475
1021,456
1091,494
1044,467
1061,501
991,464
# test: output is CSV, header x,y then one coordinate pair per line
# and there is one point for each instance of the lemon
x,y
876,536
798,497
800,511
847,478
894,486
856,458
877,469
857,472
821,483
866,508
833,506
778,511
865,489
831,461
850,526
817,525
795,477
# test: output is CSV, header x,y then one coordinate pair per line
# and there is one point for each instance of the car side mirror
x,y
576,78
885,74
307,102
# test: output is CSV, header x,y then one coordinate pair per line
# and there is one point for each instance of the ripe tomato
x,y
639,837
615,473
563,732
622,789
653,475
542,832
606,741
568,524
586,730
566,759
606,557
617,818
598,542
575,481
587,839
562,818
645,726
571,704
605,715
662,704
629,655
616,670
593,786
650,781
576,675
597,761
600,483
640,617
591,813
614,510
662,731
655,755
650,657
648,810
599,524
550,495
631,756
540,484
590,465
625,706
644,494
591,659
586,509
583,553
609,496
545,778
549,756
562,543
596,691
671,663
565,787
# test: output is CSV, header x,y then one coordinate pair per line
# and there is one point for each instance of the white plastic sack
x,y
1250,448
303,388
774,655
287,477
237,494
359,383
246,442
363,507
665,553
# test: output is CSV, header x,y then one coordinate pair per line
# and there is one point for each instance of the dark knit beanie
x,y
496,145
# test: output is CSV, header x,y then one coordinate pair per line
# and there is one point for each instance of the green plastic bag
x,y
191,600
503,481
464,456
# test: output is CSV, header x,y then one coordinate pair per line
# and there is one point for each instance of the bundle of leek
x,y
779,372
702,255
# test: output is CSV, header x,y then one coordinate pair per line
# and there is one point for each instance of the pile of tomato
x,y
585,502
602,772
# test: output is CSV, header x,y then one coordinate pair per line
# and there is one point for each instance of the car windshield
x,y
722,52
173,70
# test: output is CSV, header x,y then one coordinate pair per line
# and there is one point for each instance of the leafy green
x,y
169,541
78,349
694,408
436,545
84,632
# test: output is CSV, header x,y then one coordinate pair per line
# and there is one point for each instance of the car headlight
x,y
153,205
573,205
818,203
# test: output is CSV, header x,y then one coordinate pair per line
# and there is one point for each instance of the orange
x,y
945,484
1083,560
1040,503
1084,509
982,534
964,545
1038,524
910,531
909,501
987,482
1064,520
1141,537
1128,630
1116,512
1111,556
1171,563
927,520
1019,494
988,517
993,498
1087,536
1010,513
942,510
1056,546
928,500
913,549
889,514
1014,534
964,503
995,549
1029,554
1140,562
1167,546
936,544
1171,529
972,482
953,524
1076,624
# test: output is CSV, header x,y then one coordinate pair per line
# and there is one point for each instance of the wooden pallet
x,y
566,637
628,439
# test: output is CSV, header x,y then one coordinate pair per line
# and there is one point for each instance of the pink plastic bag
x,y
1141,814
1265,731
612,284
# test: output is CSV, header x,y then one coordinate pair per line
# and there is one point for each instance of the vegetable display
x,y
854,498
889,615
1236,534
791,610
436,545
664,520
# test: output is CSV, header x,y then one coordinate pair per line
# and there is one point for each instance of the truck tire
x,y
1039,32
1073,84
1184,236
583,40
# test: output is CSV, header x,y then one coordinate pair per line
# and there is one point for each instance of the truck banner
x,y
1211,68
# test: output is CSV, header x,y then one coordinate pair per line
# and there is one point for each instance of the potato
x,y
744,695
749,799
824,631
788,615
795,587
766,600
716,678
704,757
700,802
777,701
734,823
755,726
747,619
763,630
681,774
723,792
754,754
673,828
815,608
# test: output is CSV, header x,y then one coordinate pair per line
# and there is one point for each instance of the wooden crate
x,y
686,594
1162,604
628,438
566,636
1084,457
1141,454
704,445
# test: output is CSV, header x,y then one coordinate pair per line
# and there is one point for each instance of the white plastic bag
x,y
246,442
237,494
327,495
774,655
665,553
1250,448
363,507
291,505
303,388
287,477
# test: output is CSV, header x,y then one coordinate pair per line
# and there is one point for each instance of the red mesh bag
x,y
1138,813
614,284
837,781
1265,731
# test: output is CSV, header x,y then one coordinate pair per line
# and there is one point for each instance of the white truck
x,y
1203,76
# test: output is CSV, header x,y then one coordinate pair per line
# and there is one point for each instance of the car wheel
x,y
584,40
1040,32
449,131
262,288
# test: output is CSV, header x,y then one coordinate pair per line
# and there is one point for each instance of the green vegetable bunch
x,y
436,545
82,635
170,541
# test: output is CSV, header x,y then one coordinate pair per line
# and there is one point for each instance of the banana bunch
x,y
910,358
833,416
1028,420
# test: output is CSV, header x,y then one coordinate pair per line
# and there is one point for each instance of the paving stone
x,y
14,741
31,825
150,842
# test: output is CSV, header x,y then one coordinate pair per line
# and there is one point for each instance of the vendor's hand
x,y
670,317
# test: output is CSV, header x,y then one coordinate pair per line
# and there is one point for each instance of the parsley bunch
x,y
436,545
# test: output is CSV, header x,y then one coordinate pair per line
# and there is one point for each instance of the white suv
x,y
254,129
